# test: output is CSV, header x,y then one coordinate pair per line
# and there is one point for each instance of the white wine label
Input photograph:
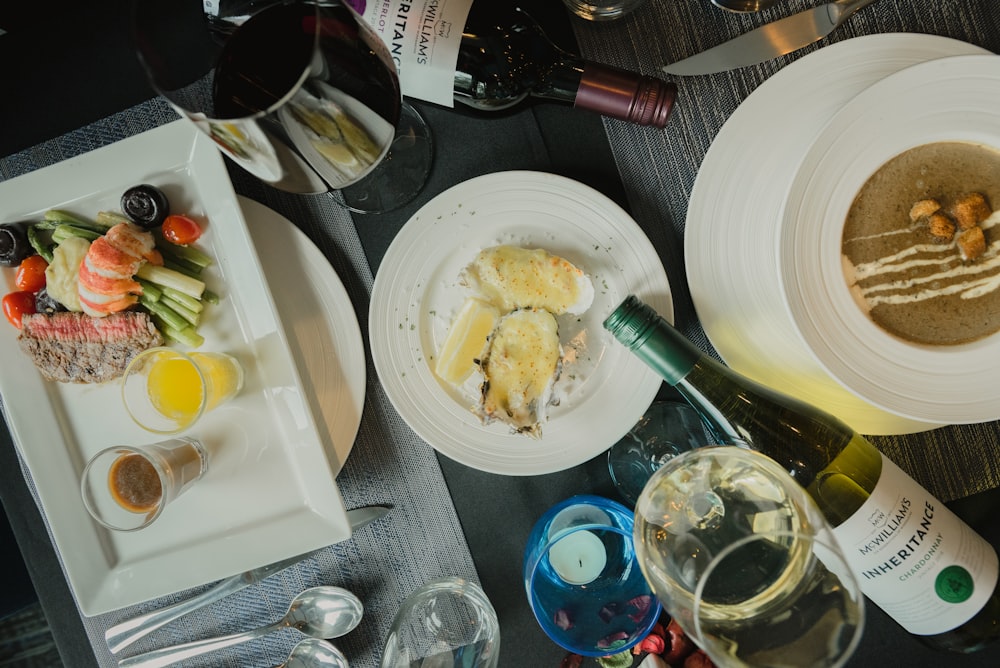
x,y
423,37
915,558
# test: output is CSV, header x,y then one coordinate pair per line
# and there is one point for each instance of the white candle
x,y
578,558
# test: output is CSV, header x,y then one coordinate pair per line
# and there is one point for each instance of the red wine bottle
x,y
500,60
506,58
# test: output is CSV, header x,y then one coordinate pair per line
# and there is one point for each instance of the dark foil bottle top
x,y
625,95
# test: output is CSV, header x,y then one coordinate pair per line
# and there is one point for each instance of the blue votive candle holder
x,y
582,578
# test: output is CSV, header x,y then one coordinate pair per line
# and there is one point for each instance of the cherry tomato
x,y
180,230
18,304
30,274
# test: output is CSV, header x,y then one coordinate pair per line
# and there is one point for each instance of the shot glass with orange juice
x,y
125,488
166,391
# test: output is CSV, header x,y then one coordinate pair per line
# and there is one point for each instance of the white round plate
x,y
950,99
416,294
732,229
320,324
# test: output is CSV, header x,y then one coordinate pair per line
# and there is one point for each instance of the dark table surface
x,y
68,64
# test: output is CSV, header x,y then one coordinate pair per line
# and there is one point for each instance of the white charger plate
x,y
320,324
950,99
270,490
734,216
416,296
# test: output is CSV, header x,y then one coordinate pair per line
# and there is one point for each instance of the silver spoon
x,y
319,612
315,653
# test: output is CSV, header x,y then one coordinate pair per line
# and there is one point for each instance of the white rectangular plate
x,y
269,492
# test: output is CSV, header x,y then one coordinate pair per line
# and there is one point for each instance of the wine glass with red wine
x,y
300,93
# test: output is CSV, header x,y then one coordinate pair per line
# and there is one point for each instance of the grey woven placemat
x,y
419,540
658,167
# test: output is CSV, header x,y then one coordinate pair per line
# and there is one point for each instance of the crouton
x,y
941,227
923,209
971,243
970,209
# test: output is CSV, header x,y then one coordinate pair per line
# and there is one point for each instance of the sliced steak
x,y
76,348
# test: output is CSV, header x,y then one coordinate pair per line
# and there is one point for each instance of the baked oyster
x,y
512,277
520,368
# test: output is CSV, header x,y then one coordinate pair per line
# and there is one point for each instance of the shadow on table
x,y
25,638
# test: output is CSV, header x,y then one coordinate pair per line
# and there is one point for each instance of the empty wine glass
x,y
302,94
446,623
744,561
665,430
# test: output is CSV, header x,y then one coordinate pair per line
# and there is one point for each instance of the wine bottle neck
x,y
607,90
653,340
722,429
738,410
628,96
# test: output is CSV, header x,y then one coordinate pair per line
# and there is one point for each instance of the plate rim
x,y
389,301
349,346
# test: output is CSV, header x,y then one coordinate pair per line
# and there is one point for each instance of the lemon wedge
x,y
466,341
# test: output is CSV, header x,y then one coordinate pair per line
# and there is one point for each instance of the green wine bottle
x,y
913,556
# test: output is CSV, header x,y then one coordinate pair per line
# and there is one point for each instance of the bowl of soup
x,y
889,244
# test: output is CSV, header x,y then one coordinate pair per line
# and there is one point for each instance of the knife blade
x,y
770,41
125,633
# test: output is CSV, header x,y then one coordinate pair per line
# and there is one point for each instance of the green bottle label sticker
x,y
954,584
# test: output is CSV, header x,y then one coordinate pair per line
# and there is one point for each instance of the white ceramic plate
x,y
269,492
416,295
733,219
320,325
956,384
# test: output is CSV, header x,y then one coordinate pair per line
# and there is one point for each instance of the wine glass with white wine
x,y
301,93
741,557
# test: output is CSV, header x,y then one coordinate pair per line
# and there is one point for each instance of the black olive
x,y
145,205
14,245
45,303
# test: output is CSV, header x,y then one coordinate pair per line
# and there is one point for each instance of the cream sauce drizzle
x,y
891,263
978,286
911,285
883,235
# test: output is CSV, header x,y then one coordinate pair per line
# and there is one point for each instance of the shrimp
x,y
92,279
135,241
105,282
110,261
98,306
